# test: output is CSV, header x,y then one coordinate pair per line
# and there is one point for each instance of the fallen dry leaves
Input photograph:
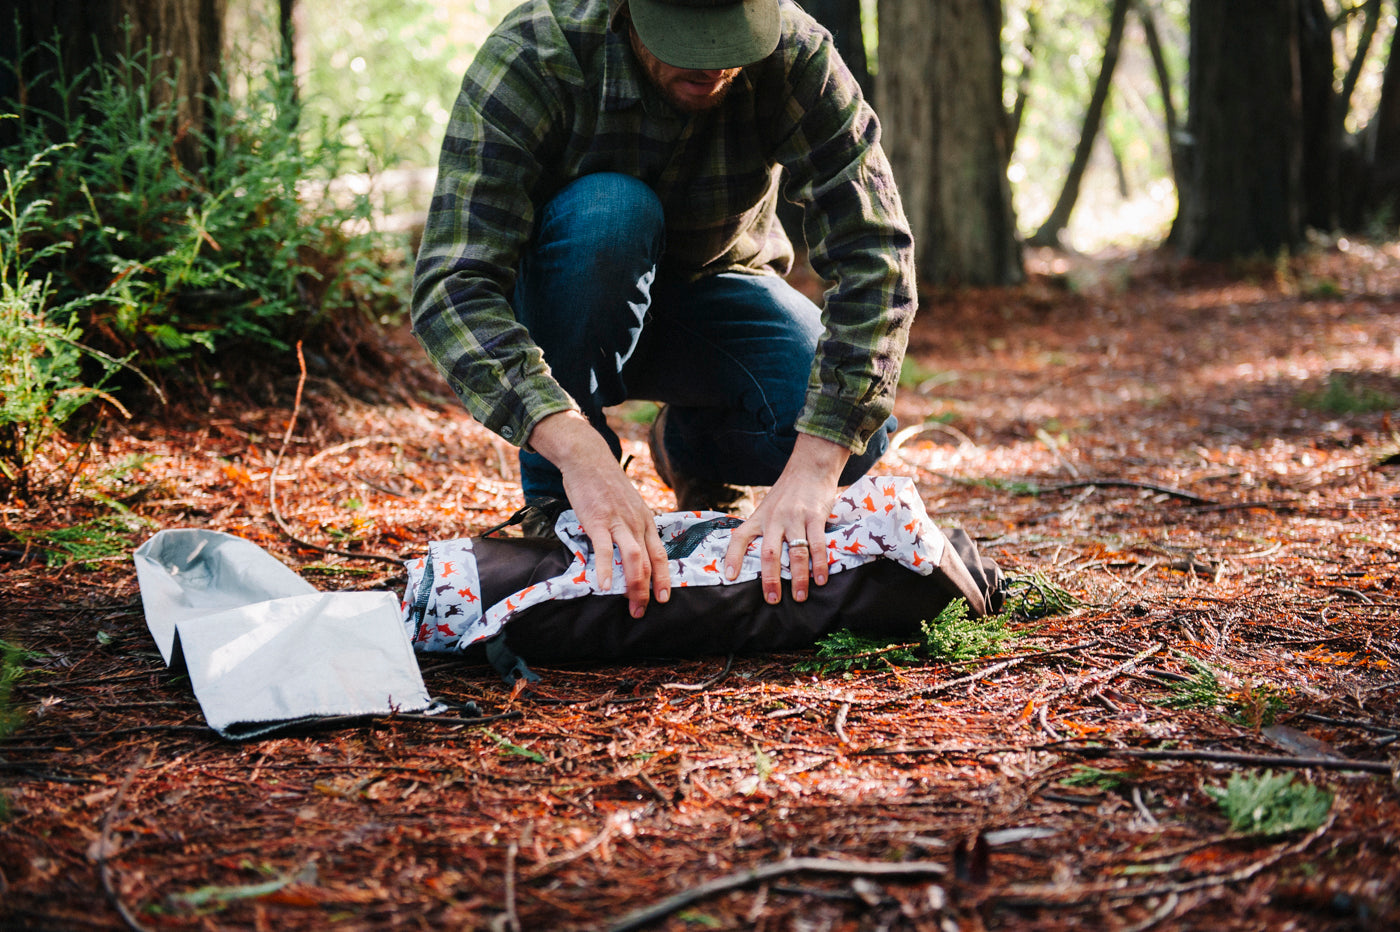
x,y
1166,442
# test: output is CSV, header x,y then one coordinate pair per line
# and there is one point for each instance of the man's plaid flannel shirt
x,y
554,95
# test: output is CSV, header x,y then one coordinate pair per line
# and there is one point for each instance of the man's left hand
x,y
793,512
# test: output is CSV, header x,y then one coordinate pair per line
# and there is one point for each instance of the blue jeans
x,y
730,354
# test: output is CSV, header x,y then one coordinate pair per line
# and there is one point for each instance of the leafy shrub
x,y
954,637
42,357
102,538
846,650
10,668
1253,704
1201,690
11,660
1345,393
242,246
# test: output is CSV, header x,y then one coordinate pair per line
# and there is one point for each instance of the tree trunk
x,y
1054,225
287,61
1243,192
1381,151
939,95
1023,78
1322,123
185,37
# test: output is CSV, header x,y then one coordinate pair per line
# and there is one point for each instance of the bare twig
x,y
1072,747
1100,482
1103,676
512,917
272,482
705,684
1235,876
1142,809
582,850
349,445
104,843
1043,894
1228,757
649,914
1168,907
1349,723
942,687
839,726
909,433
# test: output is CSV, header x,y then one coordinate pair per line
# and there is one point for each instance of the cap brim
x,y
710,37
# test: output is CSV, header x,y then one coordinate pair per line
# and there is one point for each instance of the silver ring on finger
x,y
799,542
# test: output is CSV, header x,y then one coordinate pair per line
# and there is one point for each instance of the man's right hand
x,y
607,505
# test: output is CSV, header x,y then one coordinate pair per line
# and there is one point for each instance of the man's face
x,y
688,90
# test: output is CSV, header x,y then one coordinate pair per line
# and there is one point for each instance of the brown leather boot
x,y
696,494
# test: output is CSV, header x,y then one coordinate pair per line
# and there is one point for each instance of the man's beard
x,y
691,106
670,81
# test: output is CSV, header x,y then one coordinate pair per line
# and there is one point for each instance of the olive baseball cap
x,y
705,34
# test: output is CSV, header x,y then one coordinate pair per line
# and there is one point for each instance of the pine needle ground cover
x,y
1203,736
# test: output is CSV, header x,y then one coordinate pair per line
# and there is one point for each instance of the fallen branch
x,y
909,433
649,914
706,684
549,864
1105,675
940,687
512,918
1127,484
1058,894
1094,750
839,726
1276,505
1229,757
349,445
1349,723
919,691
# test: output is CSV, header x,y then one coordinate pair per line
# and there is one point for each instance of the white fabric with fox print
x,y
877,517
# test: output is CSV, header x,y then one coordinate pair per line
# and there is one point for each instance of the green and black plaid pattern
x,y
554,95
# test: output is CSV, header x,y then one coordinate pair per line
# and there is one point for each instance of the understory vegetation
x,y
130,266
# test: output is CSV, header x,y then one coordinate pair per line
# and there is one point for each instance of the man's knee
x,y
606,205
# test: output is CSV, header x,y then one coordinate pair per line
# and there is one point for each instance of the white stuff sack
x,y
264,649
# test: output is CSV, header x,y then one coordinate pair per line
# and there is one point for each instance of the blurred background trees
x,y
1102,106
939,94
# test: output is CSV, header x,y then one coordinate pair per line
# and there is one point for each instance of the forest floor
x,y
1203,457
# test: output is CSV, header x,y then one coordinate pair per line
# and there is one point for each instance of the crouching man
x,y
603,228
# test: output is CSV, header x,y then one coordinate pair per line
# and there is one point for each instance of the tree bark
x,y
1023,79
1054,225
842,19
1243,192
64,37
1323,116
1382,149
939,95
